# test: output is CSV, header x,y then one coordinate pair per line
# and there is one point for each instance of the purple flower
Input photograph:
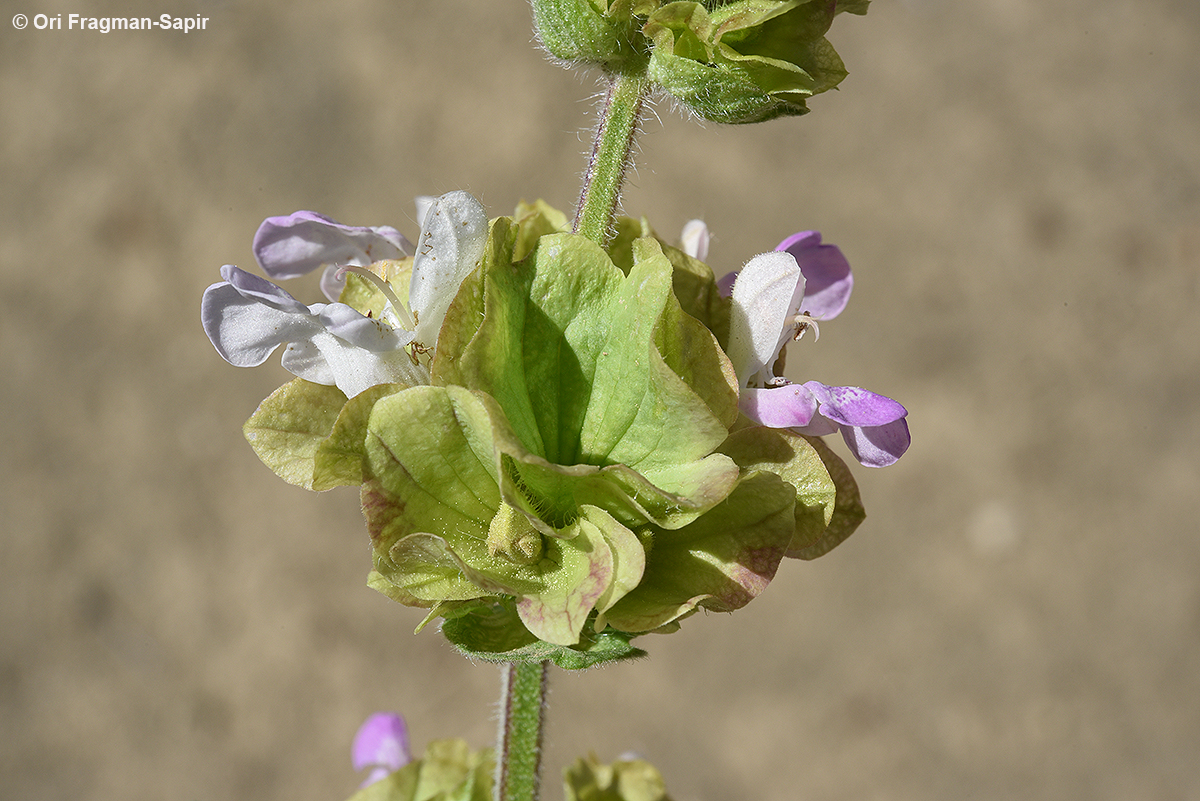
x,y
247,317
381,744
776,297
872,425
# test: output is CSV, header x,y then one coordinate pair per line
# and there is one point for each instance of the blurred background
x,y
1017,184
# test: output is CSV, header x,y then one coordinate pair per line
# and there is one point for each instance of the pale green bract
x,y
576,473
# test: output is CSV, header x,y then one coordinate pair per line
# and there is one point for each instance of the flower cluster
x,y
559,446
733,61
449,770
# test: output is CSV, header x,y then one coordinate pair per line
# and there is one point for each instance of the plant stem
x,y
611,149
522,714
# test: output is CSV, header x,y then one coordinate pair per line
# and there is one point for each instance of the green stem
x,y
610,158
522,714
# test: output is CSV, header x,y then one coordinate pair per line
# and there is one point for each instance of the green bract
x,y
736,62
597,32
748,61
577,472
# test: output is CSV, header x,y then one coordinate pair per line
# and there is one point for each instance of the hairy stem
x,y
522,714
611,149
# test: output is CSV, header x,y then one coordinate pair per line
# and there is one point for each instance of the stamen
x,y
398,308
803,322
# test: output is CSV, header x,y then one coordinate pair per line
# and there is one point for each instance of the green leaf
x,y
696,289
426,477
288,428
535,221
433,459
586,362
634,388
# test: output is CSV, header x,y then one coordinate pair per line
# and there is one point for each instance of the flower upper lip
x,y
382,745
247,317
296,244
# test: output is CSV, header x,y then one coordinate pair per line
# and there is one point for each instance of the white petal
x,y
450,247
327,359
694,241
423,203
248,318
766,298
345,322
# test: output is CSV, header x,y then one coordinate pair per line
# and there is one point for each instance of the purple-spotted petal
x,y
854,406
299,243
381,744
827,276
873,426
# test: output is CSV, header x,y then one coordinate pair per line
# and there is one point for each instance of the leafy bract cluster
x,y
575,471
736,61
448,771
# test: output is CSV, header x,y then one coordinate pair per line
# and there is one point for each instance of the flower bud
x,y
604,33
511,536
746,61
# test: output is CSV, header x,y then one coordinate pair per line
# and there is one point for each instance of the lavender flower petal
x,y
246,318
878,446
789,406
827,276
381,744
295,244
872,425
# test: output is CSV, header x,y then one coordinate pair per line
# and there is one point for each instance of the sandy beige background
x,y
1017,184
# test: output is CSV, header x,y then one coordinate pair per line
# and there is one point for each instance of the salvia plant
x,y
567,431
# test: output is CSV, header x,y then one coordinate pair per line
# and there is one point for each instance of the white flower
x,y
247,317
